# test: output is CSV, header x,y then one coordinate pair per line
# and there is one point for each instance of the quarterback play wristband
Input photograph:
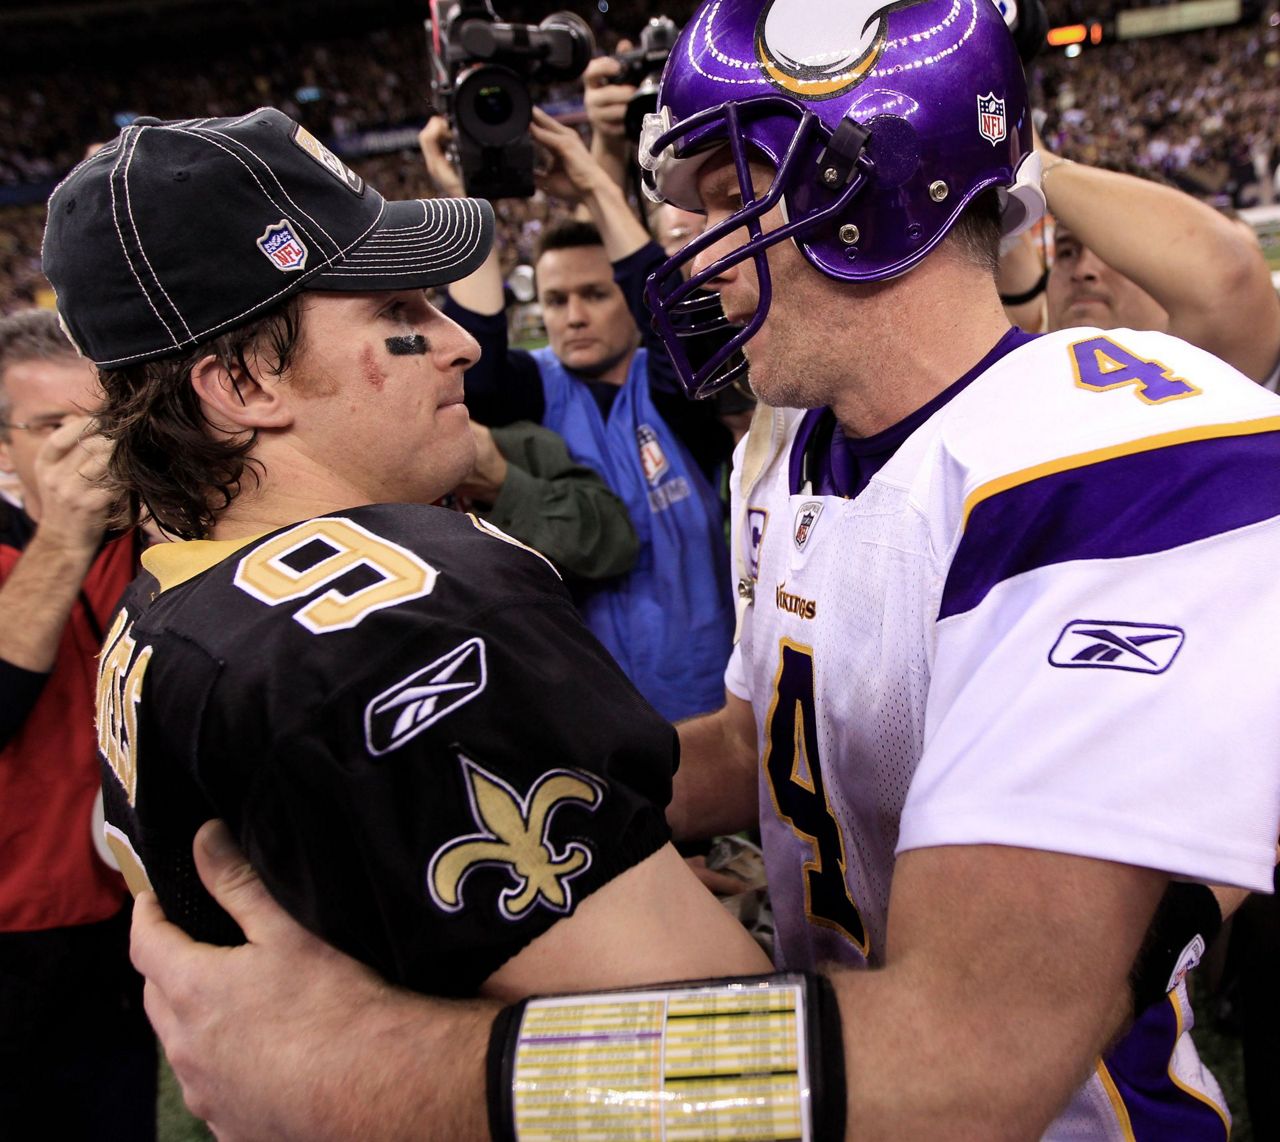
x,y
756,1057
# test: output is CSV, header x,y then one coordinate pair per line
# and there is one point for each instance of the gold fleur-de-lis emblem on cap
x,y
515,834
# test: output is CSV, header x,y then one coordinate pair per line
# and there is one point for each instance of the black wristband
x,y
1027,295
499,1070
826,1048
1185,923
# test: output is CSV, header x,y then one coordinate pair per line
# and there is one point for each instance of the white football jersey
x,y
1048,621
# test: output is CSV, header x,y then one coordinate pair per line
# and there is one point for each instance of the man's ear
x,y
236,401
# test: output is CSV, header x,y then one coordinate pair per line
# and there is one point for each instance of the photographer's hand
x,y
71,509
606,106
574,174
433,142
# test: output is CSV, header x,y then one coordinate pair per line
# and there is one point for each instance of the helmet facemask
x,y
681,306
883,120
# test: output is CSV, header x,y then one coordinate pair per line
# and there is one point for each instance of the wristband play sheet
x,y
726,1061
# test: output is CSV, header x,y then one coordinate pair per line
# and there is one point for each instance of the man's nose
x,y
713,253
455,345
1088,265
577,312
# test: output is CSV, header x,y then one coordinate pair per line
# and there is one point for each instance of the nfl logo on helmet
x,y
283,247
991,124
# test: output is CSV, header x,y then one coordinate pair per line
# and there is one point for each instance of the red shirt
x,y
50,873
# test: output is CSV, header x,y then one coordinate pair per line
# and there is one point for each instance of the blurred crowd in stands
x,y
1198,109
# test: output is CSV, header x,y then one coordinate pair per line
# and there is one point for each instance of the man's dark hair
x,y
29,335
569,234
976,233
166,457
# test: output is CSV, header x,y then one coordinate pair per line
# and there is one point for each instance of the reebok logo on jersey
x,y
426,696
515,835
1142,647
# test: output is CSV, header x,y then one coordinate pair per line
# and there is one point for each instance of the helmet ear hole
x,y
894,147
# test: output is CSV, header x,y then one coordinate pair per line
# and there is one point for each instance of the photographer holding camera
x,y
620,90
615,401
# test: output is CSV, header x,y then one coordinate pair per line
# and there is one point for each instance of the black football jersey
x,y
396,709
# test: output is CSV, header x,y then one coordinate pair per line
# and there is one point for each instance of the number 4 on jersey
x,y
794,772
1100,364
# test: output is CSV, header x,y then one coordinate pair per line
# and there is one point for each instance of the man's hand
x,y
490,470
575,175
572,174
286,1038
71,512
433,141
73,507
605,102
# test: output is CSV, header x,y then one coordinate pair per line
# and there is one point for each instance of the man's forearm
x,y
573,519
620,230
36,601
715,790
1204,269
1006,977
482,292
400,1096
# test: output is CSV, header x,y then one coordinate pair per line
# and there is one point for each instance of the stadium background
x,y
1186,92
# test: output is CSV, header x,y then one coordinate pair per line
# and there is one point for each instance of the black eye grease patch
x,y
413,345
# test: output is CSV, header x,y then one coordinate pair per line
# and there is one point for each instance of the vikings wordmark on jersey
x,y
385,705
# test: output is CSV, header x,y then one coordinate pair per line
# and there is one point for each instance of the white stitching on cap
x,y
128,205
115,218
275,178
359,264
211,137
341,250
195,338
471,215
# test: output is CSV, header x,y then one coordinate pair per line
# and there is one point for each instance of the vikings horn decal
x,y
818,58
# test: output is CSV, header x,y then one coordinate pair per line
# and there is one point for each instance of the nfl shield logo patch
x,y
283,247
991,125
806,517
652,459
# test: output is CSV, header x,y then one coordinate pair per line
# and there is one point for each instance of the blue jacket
x,y
669,622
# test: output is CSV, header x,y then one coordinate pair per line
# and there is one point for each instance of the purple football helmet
x,y
882,121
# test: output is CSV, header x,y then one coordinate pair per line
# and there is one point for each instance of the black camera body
x,y
642,69
481,76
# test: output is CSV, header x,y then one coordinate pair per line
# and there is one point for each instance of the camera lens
x,y
492,106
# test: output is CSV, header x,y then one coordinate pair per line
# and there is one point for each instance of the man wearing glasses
x,y
65,978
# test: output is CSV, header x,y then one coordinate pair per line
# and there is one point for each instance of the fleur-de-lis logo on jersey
x,y
817,53
515,834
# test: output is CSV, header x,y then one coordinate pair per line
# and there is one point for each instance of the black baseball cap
x,y
179,231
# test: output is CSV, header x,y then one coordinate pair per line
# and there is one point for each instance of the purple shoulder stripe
x,y
1133,504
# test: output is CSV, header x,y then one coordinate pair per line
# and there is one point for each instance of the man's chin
x,y
1096,313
